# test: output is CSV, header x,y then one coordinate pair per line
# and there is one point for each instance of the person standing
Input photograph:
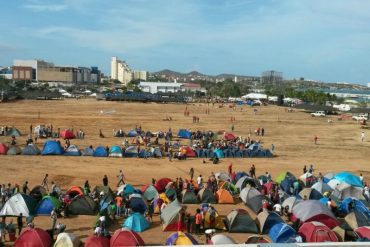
x,y
315,139
230,168
25,188
191,173
170,154
121,178
362,136
54,218
198,221
44,182
304,169
200,182
105,180
87,188
252,171
20,223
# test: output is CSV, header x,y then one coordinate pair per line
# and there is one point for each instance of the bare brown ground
x,y
339,147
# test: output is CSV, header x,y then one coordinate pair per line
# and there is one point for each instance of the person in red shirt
x,y
198,221
230,168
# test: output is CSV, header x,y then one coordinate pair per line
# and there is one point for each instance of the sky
x,y
315,39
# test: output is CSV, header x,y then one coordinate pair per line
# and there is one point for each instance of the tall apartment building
x,y
272,77
122,72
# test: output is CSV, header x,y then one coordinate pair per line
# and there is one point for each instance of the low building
x,y
163,87
6,72
23,73
194,87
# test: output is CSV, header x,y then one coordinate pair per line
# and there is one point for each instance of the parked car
x,y
318,114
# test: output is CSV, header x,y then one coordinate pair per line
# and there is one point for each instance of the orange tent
x,y
75,191
224,197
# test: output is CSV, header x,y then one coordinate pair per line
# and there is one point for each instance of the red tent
x,y
67,134
363,232
124,237
95,241
314,232
3,148
33,238
189,151
229,136
160,185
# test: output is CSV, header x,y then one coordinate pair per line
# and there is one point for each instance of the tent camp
x,y
19,204
100,151
126,237
67,239
206,196
189,197
33,237
282,233
181,238
238,220
267,219
149,192
317,232
88,151
14,150
314,210
136,222
67,134
115,151
13,132
132,133
72,150
224,197
47,204
82,205
170,217
3,148
52,147
183,133
31,149
220,239
131,151
97,241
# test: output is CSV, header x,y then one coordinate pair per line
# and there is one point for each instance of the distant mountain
x,y
195,73
171,73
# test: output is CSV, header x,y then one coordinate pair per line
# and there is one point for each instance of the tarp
x,y
115,151
100,151
19,204
65,239
181,238
317,232
67,134
266,220
183,133
282,233
52,147
33,237
126,237
170,217
238,220
136,222
95,241
31,149
72,150
47,204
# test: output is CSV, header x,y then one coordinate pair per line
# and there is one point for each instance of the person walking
x,y
44,182
87,188
191,173
121,178
170,154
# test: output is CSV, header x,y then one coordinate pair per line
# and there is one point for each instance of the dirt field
x,y
339,147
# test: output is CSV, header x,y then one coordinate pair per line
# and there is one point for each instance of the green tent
x,y
13,132
14,150
188,197
238,220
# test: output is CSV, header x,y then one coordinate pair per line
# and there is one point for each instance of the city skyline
x,y
319,40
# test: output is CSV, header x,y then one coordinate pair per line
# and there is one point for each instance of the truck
x,y
318,114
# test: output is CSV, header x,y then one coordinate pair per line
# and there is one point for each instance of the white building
x,y
122,72
163,87
6,72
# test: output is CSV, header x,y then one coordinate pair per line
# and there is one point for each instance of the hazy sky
x,y
317,39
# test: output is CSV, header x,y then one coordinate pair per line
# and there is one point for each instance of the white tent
x,y
255,96
67,240
17,205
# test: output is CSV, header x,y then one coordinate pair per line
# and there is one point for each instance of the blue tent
x,y
142,152
136,222
183,133
267,220
132,133
324,200
87,152
131,151
100,151
72,150
46,205
156,152
137,204
218,153
282,233
240,175
349,178
52,148
128,189
31,149
115,151
356,204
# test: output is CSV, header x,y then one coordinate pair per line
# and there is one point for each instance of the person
x,y
268,176
230,168
53,189
54,218
295,187
315,139
105,180
232,128
362,136
272,148
366,192
119,205
170,154
20,223
277,208
25,188
191,173
212,216
304,169
361,178
121,178
252,171
2,229
44,182
150,212
310,170
10,228
87,188
198,221
200,181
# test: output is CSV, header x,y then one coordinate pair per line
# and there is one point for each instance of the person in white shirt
x,y
277,208
200,181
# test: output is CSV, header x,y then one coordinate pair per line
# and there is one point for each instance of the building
x,y
163,87
193,87
122,72
272,77
6,72
23,73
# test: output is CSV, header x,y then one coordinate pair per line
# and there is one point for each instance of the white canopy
x,y
255,96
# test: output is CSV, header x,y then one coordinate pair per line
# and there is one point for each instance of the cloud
x,y
45,7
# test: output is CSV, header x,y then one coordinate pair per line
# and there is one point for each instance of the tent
x,y
363,232
310,193
33,237
170,217
132,133
357,219
321,187
31,149
156,152
88,151
222,176
206,196
218,221
314,210
95,241
286,180
137,204
108,193
238,220
349,178
125,190
171,193
220,239
224,197
189,197
115,151
52,147
161,184
306,176
181,238
3,148
100,151
266,220
351,203
291,202
74,191
282,233
13,132
243,174
189,152
150,192
248,193
14,150
67,134
218,153
229,136
183,133
228,186
136,222
342,190
72,150
256,239
126,237
17,204
82,205
65,239
131,151
38,192
253,198
47,204
314,231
